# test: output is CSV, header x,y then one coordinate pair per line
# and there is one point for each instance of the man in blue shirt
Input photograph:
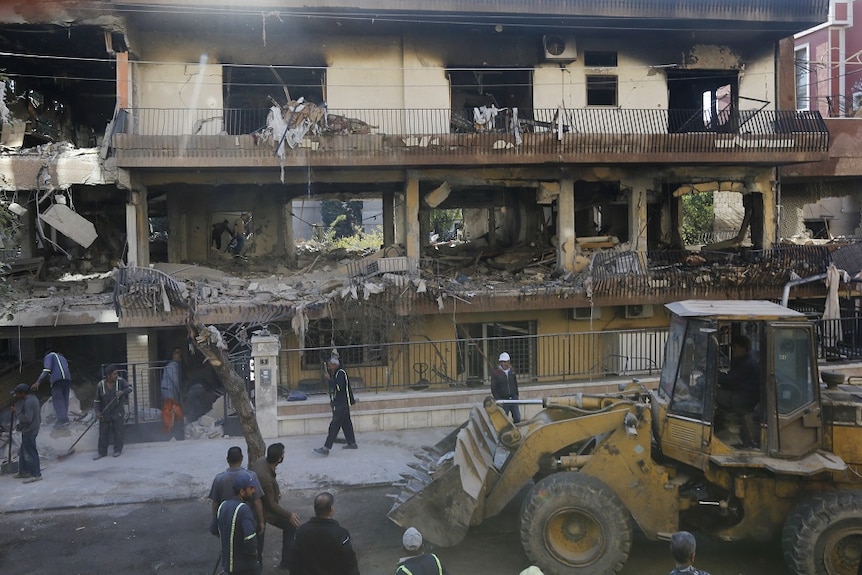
x,y
237,530
56,369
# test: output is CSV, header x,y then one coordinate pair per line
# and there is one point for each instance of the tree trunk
x,y
208,340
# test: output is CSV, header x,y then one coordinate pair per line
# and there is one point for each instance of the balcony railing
x,y
683,274
537,358
422,136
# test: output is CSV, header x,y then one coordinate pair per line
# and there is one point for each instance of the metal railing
x,y
468,362
443,131
685,274
464,363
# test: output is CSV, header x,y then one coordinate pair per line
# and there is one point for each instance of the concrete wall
x,y
182,86
191,213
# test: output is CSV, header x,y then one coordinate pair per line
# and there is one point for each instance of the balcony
x,y
243,138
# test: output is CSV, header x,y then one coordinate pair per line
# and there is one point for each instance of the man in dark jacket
x,y
340,399
322,546
237,530
112,395
417,562
739,388
29,414
273,511
504,385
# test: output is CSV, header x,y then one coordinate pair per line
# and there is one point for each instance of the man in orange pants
x,y
172,412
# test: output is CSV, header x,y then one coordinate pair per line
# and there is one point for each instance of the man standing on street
x,y
504,385
112,395
222,487
321,545
29,419
340,399
417,562
237,530
172,412
56,369
273,512
683,546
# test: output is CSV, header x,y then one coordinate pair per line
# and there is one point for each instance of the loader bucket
x,y
443,494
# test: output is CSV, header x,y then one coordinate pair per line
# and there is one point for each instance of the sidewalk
x,y
185,469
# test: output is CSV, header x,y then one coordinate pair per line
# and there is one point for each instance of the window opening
x,y
480,344
475,94
249,92
803,85
702,100
360,345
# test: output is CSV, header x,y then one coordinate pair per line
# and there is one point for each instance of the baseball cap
x,y
334,361
242,481
412,539
504,357
22,388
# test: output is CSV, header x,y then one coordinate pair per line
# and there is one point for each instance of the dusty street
x,y
172,539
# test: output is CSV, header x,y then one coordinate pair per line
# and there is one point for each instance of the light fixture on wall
x,y
653,70
498,28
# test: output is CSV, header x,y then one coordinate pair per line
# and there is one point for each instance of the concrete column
x,y
412,241
638,215
566,225
137,220
767,233
388,218
264,351
399,210
289,242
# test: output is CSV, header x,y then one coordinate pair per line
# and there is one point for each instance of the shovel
x,y
63,456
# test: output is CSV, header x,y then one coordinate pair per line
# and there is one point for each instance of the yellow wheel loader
x,y
671,458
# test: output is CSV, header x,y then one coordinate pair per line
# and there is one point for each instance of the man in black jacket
x,y
340,399
504,385
321,546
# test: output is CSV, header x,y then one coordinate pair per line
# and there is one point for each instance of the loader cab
x,y
697,420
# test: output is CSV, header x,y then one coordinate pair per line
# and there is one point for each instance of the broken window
x,y
482,100
359,345
803,69
69,96
249,92
602,89
701,100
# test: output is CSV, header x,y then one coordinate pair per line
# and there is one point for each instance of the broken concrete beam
x,y
72,225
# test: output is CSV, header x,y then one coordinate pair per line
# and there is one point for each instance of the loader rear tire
x,y
823,535
573,523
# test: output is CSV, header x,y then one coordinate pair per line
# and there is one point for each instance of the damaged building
x,y
533,170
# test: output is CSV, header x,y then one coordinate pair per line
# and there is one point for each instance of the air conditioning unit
x,y
559,48
581,313
638,311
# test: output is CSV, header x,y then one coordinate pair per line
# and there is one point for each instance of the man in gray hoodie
x,y
29,415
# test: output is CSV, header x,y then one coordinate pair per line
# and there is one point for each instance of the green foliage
x,y
442,220
698,217
342,218
360,241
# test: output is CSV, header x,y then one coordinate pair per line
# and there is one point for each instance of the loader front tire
x,y
573,523
823,535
